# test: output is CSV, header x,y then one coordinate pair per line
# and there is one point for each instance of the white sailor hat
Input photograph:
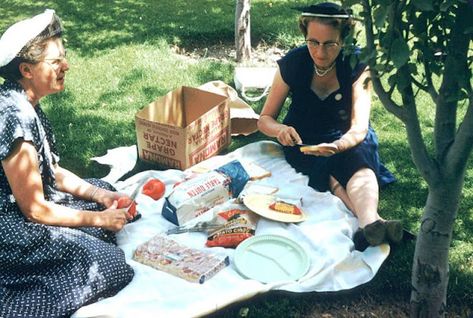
x,y
20,33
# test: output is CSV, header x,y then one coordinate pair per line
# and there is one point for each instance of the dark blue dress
x,y
326,120
49,271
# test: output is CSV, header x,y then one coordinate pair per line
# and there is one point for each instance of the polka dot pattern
x,y
49,271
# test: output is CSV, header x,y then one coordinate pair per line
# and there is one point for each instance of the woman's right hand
x,y
288,136
114,219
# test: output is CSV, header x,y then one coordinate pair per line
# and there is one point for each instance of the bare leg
x,y
339,191
363,193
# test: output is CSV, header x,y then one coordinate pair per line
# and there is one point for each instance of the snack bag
x,y
239,223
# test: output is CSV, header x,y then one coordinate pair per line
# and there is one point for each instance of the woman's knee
x,y
364,176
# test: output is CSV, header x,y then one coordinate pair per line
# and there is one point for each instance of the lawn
x,y
124,54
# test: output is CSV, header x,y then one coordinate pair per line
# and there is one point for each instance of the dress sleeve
x,y
293,65
284,69
14,124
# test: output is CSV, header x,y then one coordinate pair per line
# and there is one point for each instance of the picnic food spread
x,y
237,205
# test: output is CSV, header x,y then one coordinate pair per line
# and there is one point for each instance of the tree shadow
x,y
92,26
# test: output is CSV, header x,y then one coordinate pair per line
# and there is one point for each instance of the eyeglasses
x,y
55,62
329,46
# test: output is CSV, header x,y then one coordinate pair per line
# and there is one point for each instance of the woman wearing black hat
x,y
330,110
56,252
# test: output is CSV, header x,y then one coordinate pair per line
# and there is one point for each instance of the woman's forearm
x,y
50,213
68,182
351,138
269,126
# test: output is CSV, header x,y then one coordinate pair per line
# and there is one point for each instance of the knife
x,y
133,196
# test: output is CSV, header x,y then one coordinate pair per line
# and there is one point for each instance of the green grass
x,y
122,58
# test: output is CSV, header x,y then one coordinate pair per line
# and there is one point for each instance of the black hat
x,y
325,10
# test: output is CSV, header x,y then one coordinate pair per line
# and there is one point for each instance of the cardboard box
x,y
244,120
182,128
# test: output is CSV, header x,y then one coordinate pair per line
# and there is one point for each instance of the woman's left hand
x,y
322,150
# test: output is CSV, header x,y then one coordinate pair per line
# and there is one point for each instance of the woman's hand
x,y
288,136
107,197
322,150
114,219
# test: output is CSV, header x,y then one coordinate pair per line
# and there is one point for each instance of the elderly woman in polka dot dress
x,y
330,110
57,242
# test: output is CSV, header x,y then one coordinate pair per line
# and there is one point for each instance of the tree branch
x,y
425,165
456,72
385,98
419,84
461,148
428,76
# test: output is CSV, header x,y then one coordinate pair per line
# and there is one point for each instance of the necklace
x,y
323,72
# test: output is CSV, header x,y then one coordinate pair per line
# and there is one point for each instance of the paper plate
x,y
259,203
271,258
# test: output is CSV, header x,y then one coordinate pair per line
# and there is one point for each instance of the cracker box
x,y
182,128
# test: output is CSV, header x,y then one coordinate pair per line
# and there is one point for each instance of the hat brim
x,y
20,33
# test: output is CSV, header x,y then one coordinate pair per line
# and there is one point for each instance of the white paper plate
x,y
271,258
259,203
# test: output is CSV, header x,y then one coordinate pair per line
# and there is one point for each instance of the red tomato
x,y
154,188
123,203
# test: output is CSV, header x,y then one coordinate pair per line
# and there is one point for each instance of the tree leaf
x,y
367,55
399,52
424,5
379,15
384,3
468,30
444,6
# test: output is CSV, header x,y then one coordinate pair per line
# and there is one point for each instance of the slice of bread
x,y
255,171
309,148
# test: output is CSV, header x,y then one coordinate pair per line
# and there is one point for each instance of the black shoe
x,y
394,231
360,240
375,233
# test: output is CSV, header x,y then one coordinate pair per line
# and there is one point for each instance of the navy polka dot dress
x,y
49,271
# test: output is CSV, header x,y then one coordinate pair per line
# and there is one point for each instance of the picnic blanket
x,y
325,236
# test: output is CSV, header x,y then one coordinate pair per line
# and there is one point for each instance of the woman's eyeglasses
x,y
329,46
55,62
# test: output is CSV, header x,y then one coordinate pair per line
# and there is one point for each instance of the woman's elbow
x,y
36,213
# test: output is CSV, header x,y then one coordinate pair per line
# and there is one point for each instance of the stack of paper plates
x,y
271,258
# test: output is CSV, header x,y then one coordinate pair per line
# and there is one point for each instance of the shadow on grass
x,y
92,26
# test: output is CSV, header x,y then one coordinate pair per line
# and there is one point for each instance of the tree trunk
x,y
430,265
242,30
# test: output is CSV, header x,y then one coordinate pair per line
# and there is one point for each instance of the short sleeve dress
x,y
325,120
49,271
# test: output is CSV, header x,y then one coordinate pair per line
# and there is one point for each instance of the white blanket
x,y
325,235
